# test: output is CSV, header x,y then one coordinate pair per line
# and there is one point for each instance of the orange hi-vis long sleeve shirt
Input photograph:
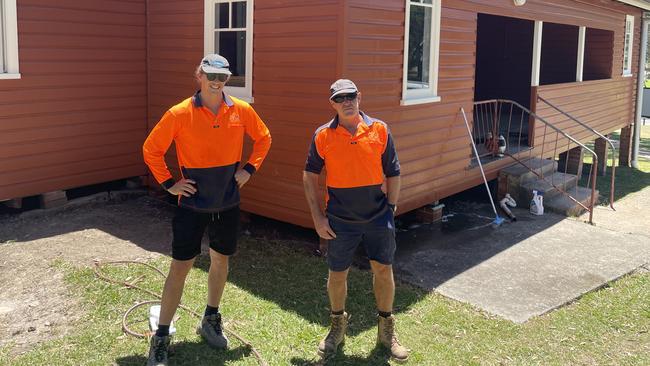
x,y
208,148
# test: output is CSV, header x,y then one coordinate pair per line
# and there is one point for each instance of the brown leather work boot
x,y
387,337
336,336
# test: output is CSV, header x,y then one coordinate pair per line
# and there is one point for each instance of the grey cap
x,y
215,64
342,86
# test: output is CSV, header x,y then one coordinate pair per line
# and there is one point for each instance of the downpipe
x,y
639,93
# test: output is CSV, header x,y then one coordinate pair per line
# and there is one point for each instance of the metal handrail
x,y
568,137
537,117
609,141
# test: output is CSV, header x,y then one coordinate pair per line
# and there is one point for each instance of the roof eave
x,y
638,3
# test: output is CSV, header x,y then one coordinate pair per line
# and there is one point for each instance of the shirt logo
x,y
373,136
234,121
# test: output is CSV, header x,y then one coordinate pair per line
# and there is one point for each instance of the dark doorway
x,y
504,56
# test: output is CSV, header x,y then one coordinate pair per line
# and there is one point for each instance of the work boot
x,y
211,330
336,335
387,337
158,351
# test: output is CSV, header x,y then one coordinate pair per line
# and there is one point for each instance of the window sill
x,y
626,75
9,76
419,101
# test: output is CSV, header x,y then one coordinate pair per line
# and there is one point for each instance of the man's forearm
x,y
261,148
393,185
310,182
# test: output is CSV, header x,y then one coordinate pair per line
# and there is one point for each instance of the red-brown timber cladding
x,y
294,61
300,47
77,114
174,49
75,117
605,105
430,138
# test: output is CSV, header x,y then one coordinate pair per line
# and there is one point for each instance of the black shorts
x,y
377,237
188,227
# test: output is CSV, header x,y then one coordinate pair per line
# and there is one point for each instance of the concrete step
x,y
563,181
514,176
522,175
564,205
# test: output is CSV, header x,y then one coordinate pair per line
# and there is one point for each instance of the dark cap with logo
x,y
342,86
215,64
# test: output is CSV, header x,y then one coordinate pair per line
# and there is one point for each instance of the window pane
x,y
419,51
599,54
221,15
626,51
626,46
239,14
232,46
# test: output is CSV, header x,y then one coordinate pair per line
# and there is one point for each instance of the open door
x,y
504,57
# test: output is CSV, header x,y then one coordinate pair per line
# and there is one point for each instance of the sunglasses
x,y
213,77
343,97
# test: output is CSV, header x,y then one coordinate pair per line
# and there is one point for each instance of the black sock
x,y
209,310
162,331
384,314
340,312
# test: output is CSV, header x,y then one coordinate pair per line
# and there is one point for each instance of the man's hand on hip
x,y
242,176
183,187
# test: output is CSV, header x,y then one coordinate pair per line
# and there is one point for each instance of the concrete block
x,y
429,213
53,199
14,203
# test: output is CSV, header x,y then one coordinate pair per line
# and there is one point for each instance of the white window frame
x,y
8,40
429,95
538,32
246,92
580,65
629,30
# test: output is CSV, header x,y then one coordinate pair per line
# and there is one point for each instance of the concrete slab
x,y
521,269
631,215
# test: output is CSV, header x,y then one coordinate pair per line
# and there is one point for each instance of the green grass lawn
x,y
627,180
276,299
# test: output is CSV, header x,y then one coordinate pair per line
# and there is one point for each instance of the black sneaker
x,y
211,330
158,351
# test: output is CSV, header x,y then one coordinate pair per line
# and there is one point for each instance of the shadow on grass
x,y
297,283
192,353
379,356
627,180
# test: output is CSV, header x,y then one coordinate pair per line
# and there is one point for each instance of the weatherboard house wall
x,y
96,77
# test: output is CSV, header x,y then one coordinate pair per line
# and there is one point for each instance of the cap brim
x,y
344,91
215,70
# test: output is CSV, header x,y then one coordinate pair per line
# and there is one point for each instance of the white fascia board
x,y
638,3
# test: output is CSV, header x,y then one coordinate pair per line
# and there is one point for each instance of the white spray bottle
x,y
502,146
537,203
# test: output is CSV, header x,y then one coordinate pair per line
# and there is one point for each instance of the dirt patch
x,y
35,303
